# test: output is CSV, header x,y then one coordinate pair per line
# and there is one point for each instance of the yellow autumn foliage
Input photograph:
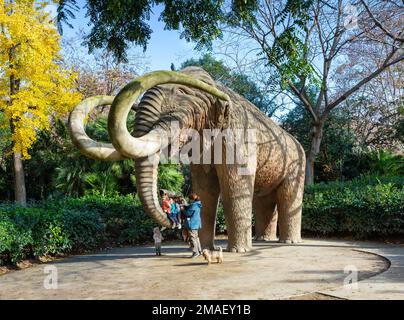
x,y
30,54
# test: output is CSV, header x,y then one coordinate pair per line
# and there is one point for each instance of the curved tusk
x,y
89,147
151,142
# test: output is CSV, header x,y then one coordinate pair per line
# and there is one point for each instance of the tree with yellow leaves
x,y
34,85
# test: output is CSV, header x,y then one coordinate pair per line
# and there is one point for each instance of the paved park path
x,y
315,268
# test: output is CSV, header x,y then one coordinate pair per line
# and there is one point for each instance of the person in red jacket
x,y
166,206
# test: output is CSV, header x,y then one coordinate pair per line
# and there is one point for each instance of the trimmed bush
x,y
12,242
123,218
84,229
366,207
30,233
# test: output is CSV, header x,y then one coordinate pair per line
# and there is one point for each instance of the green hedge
x,y
30,232
366,207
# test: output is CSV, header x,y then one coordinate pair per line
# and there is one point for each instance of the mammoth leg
x,y
266,217
237,194
206,185
289,203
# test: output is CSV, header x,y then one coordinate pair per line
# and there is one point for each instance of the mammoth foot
x,y
291,241
239,249
266,238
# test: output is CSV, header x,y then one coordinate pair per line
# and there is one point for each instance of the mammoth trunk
x,y
147,115
146,183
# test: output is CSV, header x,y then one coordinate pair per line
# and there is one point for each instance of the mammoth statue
x,y
273,189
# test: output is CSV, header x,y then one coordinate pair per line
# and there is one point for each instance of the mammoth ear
x,y
222,110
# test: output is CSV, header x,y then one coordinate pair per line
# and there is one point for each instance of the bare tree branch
x,y
380,25
387,63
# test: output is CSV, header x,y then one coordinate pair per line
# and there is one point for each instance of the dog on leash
x,y
213,255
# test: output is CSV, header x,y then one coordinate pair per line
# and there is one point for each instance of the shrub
x,y
123,216
84,229
365,207
54,241
12,243
30,233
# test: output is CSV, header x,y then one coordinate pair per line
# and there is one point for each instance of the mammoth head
x,y
187,97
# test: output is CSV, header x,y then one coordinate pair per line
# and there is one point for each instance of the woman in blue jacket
x,y
192,214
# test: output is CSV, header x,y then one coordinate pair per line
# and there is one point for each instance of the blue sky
x,y
163,48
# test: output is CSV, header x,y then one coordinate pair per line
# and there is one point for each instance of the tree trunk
x,y
316,135
19,180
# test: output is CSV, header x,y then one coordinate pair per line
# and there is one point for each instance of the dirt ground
x,y
270,271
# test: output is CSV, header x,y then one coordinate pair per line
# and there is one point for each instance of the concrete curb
x,y
387,285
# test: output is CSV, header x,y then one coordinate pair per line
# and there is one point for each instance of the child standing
x,y
158,238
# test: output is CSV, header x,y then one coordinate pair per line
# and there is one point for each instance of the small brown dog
x,y
212,255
